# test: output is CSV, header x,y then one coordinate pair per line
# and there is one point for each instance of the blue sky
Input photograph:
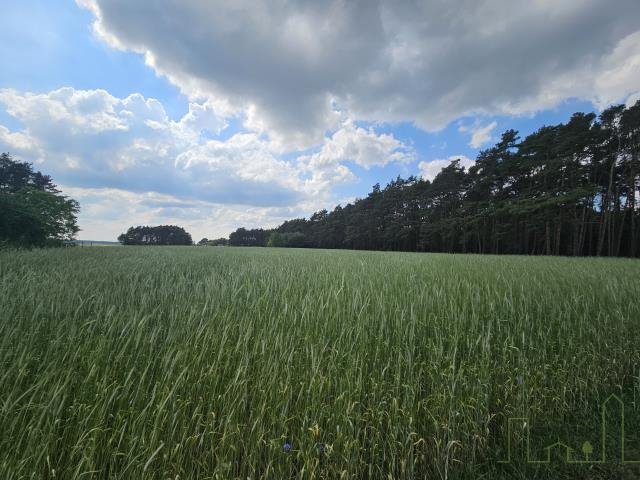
x,y
214,116
45,47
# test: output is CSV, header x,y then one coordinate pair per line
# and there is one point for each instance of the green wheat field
x,y
247,363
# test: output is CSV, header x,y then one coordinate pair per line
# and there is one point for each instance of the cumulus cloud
x,y
95,142
107,212
363,146
429,170
93,139
480,135
283,63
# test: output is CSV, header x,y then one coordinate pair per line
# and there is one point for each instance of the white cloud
x,y
632,99
429,170
91,141
281,63
20,143
620,75
107,212
362,146
480,135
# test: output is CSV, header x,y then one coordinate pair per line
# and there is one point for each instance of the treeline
x,y
569,189
216,242
33,211
157,235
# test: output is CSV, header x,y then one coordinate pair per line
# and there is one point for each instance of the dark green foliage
x,y
568,189
218,242
160,235
249,238
32,211
287,239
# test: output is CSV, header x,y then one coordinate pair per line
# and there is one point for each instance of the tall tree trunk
x,y
606,219
583,228
558,236
621,229
632,206
547,238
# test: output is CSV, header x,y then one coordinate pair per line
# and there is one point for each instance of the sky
x,y
214,115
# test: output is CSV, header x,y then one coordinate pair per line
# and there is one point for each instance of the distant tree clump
x,y
287,239
33,212
218,242
160,235
249,238
567,189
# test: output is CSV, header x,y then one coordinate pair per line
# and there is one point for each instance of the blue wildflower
x,y
286,447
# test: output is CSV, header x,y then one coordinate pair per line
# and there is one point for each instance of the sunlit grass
x,y
203,362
